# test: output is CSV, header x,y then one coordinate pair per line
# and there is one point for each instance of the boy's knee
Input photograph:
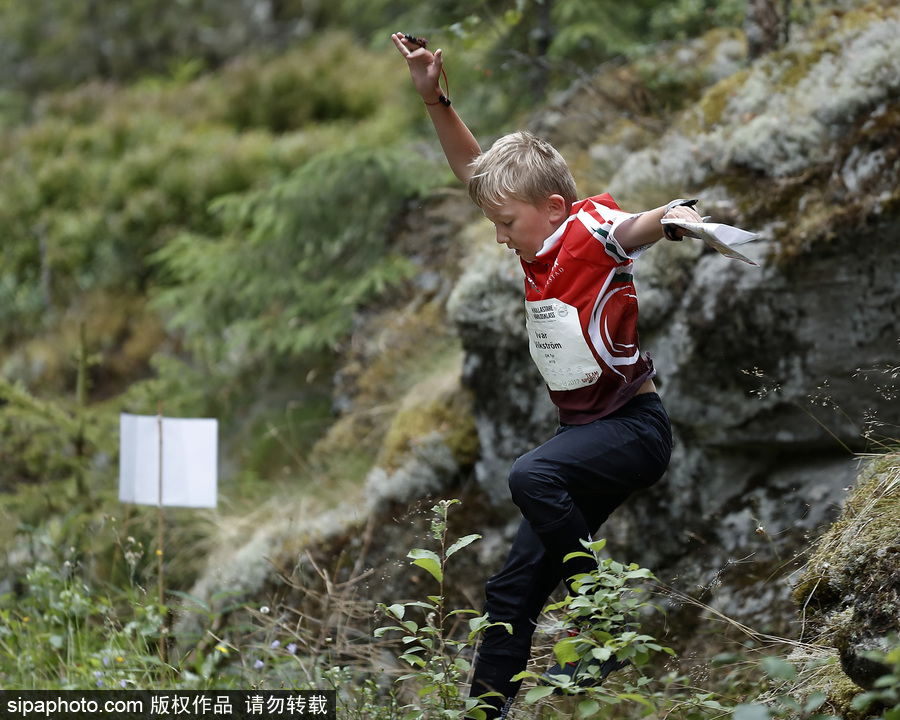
x,y
524,478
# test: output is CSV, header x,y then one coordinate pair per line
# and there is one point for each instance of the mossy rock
x,y
849,592
438,404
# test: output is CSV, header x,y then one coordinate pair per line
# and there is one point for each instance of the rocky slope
x,y
775,377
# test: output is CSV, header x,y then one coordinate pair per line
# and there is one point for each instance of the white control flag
x,y
189,461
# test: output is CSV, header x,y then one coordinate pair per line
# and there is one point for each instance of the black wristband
x,y
669,231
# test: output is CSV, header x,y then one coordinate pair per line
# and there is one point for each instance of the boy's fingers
x,y
398,41
402,44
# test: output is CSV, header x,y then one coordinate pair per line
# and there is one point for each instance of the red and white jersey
x,y
581,315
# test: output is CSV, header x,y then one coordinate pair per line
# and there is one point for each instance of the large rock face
x,y
773,376
761,374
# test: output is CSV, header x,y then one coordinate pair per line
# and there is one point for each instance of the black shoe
x,y
586,673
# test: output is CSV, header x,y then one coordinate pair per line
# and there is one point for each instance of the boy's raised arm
x,y
459,145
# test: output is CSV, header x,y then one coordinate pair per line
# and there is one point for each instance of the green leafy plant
x,y
438,659
606,615
63,634
359,697
603,621
62,628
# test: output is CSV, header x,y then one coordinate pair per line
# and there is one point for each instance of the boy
x,y
581,314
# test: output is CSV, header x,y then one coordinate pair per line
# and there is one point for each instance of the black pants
x,y
566,489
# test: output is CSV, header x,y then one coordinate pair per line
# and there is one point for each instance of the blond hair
x,y
523,167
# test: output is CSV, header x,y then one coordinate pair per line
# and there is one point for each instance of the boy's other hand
x,y
682,212
424,66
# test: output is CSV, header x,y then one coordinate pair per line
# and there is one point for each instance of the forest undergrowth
x,y
415,659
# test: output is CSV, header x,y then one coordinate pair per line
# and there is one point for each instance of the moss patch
x,y
715,100
438,404
849,592
867,527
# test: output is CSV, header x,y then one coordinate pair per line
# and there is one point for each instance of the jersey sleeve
x,y
607,216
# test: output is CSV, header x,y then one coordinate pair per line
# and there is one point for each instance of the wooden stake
x,y
159,540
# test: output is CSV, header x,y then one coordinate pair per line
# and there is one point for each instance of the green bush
x,y
103,177
309,84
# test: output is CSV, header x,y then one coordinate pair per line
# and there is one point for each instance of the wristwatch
x,y
669,230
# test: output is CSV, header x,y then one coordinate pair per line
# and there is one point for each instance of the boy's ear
x,y
557,207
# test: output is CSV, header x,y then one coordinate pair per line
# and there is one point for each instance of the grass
x,y
64,630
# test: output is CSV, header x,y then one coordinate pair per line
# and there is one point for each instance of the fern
x,y
296,260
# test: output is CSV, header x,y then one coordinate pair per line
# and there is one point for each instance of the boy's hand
x,y
682,212
424,67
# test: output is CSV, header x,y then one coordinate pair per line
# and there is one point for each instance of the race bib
x,y
557,345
